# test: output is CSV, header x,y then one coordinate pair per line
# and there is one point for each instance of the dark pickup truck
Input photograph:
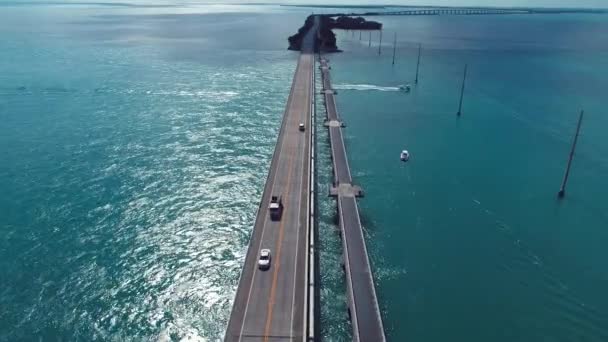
x,y
275,208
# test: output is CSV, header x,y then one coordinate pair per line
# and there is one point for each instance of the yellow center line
x,y
278,257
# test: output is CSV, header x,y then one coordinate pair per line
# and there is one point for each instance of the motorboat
x,y
406,88
405,155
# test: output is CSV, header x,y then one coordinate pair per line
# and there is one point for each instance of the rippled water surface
x,y
134,148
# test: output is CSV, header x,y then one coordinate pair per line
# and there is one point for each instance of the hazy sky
x,y
503,3
529,3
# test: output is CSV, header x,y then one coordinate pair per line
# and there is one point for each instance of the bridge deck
x,y
365,316
363,303
340,161
461,11
271,305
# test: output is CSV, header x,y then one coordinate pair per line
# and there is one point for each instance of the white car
x,y
264,261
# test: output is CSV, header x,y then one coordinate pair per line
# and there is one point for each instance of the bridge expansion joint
x,y
334,123
346,190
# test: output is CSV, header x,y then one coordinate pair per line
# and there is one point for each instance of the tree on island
x,y
326,36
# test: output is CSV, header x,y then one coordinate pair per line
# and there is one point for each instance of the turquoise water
x,y
135,140
467,239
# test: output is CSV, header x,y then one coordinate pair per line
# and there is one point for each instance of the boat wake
x,y
364,87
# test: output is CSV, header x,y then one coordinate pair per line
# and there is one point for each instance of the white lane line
x,y
293,299
286,118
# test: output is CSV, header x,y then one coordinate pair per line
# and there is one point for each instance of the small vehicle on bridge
x,y
301,127
264,261
276,208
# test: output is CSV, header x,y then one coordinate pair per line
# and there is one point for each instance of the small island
x,y
358,23
327,37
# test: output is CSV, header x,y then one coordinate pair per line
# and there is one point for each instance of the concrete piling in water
x,y
562,189
359,34
380,44
370,39
394,48
418,63
462,90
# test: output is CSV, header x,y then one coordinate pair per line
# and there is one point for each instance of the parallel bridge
x,y
473,11
362,301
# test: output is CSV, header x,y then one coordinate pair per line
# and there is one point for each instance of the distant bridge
x,y
450,11
473,11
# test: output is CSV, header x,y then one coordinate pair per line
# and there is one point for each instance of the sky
x,y
498,3
504,3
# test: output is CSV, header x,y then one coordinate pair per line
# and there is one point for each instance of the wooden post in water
x,y
380,45
359,34
462,90
562,190
370,39
418,63
394,48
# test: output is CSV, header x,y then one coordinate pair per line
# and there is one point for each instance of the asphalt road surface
x,y
270,305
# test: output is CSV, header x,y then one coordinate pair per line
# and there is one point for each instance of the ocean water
x,y
135,139
468,240
134,144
